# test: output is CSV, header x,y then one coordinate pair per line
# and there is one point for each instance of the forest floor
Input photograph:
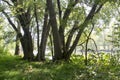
x,y
12,68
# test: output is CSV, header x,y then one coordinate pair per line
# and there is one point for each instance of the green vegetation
x,y
59,40
104,68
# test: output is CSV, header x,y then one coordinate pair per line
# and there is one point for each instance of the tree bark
x,y
17,47
27,45
70,36
26,40
63,22
55,33
45,33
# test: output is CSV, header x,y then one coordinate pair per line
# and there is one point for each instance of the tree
x,y
45,32
63,49
67,22
24,17
17,47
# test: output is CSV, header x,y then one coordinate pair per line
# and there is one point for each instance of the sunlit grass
x,y
12,68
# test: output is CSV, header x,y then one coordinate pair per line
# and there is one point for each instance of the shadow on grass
x,y
10,65
12,68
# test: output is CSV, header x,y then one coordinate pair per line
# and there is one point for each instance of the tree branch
x,y
82,27
10,21
7,2
64,21
99,8
59,8
72,31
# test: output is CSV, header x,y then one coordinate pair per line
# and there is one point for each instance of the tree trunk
x,y
27,45
26,40
45,33
24,18
56,36
17,47
91,14
64,20
43,42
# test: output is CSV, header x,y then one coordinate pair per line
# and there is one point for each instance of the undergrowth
x,y
103,68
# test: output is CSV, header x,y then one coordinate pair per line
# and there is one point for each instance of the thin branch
x,y
86,45
7,2
95,45
71,33
59,8
92,13
99,8
82,27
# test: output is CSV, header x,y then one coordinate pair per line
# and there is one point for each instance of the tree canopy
x,y
61,25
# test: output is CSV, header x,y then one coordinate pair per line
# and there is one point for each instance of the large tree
x,y
23,15
63,46
65,19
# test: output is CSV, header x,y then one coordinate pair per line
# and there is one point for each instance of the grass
x,y
12,68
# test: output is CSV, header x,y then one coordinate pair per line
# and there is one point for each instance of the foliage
x,y
12,68
70,22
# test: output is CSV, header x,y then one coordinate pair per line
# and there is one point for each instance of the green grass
x,y
12,68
